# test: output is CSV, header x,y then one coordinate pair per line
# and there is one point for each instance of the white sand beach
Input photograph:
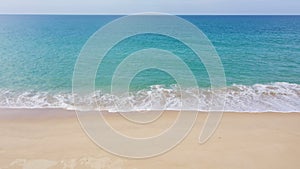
x,y
53,138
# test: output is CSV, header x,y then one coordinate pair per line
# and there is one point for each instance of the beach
x,y
247,66
53,138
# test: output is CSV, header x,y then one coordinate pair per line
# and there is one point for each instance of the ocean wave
x,y
275,97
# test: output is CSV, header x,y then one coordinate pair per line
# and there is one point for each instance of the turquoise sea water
x,y
260,55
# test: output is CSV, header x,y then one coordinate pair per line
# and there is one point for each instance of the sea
x,y
260,56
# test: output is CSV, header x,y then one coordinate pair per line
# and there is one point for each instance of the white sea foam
x,y
275,97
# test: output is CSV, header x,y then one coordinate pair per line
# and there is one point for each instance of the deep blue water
x,y
38,54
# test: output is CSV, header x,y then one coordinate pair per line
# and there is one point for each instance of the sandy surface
x,y
53,138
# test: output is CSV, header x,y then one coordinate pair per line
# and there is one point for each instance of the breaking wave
x,y
275,97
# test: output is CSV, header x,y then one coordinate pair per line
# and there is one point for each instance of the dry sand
x,y
53,138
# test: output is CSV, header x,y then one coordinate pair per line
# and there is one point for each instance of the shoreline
x,y
35,138
268,97
29,110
